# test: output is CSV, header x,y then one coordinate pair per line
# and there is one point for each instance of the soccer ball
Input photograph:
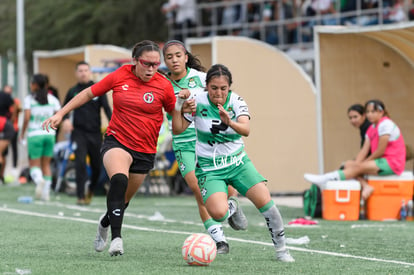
x,y
199,249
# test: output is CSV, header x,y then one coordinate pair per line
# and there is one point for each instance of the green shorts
x,y
241,177
40,146
385,169
185,156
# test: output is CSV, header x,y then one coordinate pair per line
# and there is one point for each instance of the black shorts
x,y
8,131
141,162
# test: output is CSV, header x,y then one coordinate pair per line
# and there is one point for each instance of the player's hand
x,y
52,122
189,106
184,94
224,115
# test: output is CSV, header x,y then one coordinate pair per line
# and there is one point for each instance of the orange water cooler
x,y
340,200
389,192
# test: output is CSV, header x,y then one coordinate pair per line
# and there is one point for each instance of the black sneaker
x,y
222,248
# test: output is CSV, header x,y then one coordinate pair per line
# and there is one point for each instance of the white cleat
x,y
284,256
39,190
101,236
117,247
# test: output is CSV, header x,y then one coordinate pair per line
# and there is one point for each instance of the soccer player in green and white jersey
x,y
38,106
221,118
186,72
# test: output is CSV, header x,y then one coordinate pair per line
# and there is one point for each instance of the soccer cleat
x,y
283,255
117,247
238,220
319,180
88,197
222,248
101,236
39,190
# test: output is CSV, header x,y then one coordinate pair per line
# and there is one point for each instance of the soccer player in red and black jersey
x,y
139,95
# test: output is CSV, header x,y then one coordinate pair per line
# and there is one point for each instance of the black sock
x,y
115,203
105,220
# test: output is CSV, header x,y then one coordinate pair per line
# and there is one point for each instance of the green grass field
x,y
57,238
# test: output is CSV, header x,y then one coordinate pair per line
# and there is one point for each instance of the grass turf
x,y
57,238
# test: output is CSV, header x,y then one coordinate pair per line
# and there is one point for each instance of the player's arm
x,y
241,125
74,103
182,105
26,119
363,153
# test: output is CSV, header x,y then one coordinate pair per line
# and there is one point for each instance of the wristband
x,y
179,103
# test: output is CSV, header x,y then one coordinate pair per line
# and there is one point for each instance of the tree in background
x,y
59,24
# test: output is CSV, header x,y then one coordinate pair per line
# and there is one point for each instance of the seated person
x,y
356,115
386,143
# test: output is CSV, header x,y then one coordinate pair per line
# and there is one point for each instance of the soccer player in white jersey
x,y
221,118
38,106
186,72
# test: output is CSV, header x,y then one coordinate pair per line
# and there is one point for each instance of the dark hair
x,y
219,70
144,46
192,62
378,106
357,108
41,94
81,63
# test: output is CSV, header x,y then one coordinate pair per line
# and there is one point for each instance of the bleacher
x,y
288,24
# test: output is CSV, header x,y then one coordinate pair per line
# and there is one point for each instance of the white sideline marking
x,y
28,213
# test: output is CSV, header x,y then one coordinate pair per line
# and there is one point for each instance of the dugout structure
x,y
354,65
281,98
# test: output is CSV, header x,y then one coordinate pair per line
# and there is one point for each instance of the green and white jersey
x,y
39,113
194,81
218,146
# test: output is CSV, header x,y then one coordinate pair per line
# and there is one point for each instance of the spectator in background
x,y
86,133
231,18
51,89
356,115
185,17
288,12
254,16
270,13
324,8
13,116
6,128
38,106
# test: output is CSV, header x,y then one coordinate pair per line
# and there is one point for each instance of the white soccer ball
x,y
199,249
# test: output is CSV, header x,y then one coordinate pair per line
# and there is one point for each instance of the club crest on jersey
x,y
191,83
182,166
203,192
148,97
231,112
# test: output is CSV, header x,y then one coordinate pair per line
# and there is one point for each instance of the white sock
x,y
36,174
334,175
216,232
275,224
46,187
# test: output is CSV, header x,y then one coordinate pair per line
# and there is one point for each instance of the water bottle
x,y
403,211
25,199
410,210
